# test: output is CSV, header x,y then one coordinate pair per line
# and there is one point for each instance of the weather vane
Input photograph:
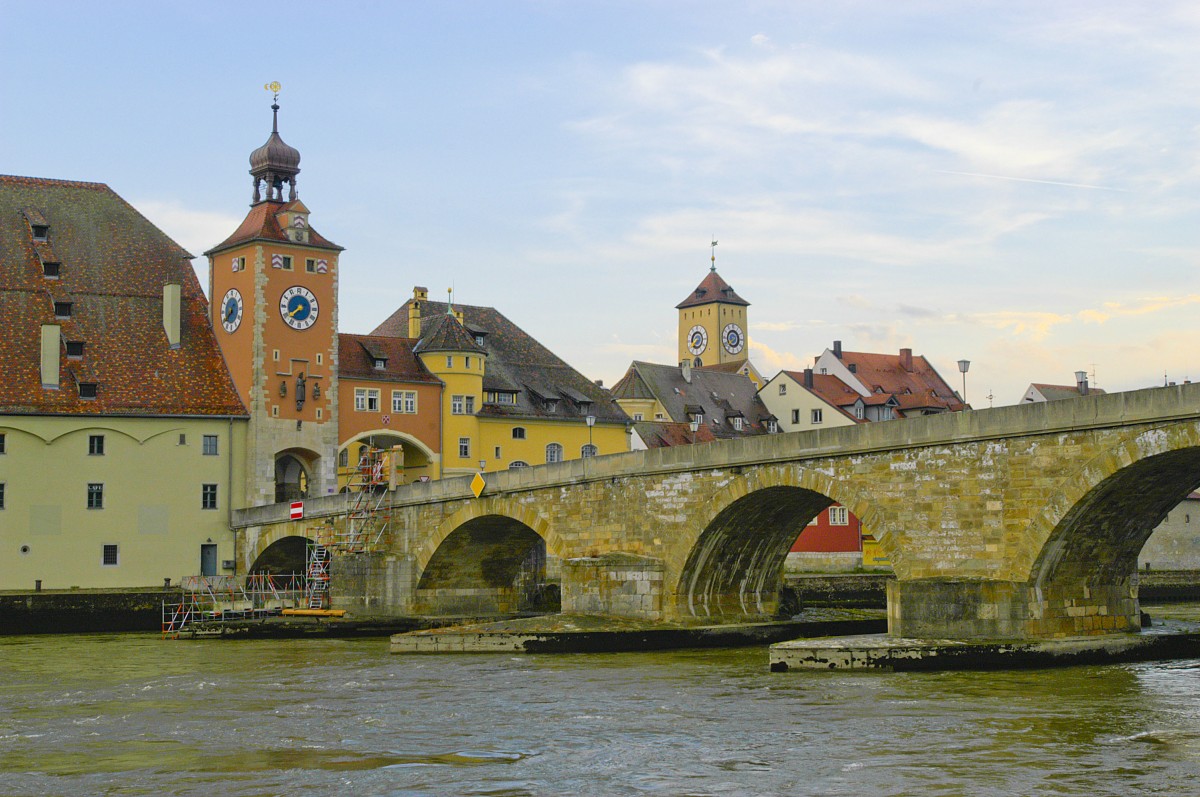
x,y
273,87
714,255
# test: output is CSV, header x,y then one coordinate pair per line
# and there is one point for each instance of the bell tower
x,y
273,300
712,322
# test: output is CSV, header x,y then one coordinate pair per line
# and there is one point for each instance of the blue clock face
x,y
231,310
732,338
298,307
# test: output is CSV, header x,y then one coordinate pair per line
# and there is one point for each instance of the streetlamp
x,y
482,465
963,365
695,424
591,421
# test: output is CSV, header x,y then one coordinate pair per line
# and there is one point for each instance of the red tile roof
x,y
885,371
114,266
663,434
712,289
357,354
262,224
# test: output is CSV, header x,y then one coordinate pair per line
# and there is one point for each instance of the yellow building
x,y
507,401
120,430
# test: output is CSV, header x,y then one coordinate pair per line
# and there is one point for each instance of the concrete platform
x,y
1166,640
592,634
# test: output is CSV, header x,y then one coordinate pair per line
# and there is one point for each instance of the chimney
x,y
414,311
1081,382
171,312
837,349
906,359
685,367
51,344
808,378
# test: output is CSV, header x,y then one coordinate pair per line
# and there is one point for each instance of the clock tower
x,y
273,299
712,324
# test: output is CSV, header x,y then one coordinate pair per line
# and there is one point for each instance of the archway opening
x,y
368,462
491,565
284,557
1083,581
291,478
735,570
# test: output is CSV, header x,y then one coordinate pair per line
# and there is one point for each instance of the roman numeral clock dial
x,y
298,307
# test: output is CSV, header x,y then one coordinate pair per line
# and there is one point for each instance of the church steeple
x,y
274,163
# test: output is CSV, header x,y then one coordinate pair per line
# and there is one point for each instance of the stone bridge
x,y
1014,522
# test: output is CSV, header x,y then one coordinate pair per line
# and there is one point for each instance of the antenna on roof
x,y
714,255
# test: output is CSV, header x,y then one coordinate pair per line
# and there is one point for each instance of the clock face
x,y
697,340
732,338
298,307
231,310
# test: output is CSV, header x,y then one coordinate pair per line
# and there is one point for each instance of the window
x,y
551,406
96,445
1,495
239,264
698,417
470,405
462,405
783,388
209,445
588,451
772,426
737,424
87,390
468,361
51,269
479,340
95,495
506,398
518,433
795,416
380,363
497,452
183,440
516,463
658,416
366,399
109,556
858,411
275,355
838,516
2,444
344,458
816,416
285,262
310,265
554,452
824,370
75,349
62,309
208,496
404,401
40,231
637,416
320,359
464,447
449,361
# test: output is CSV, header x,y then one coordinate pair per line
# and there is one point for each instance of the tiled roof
x,y
885,371
717,394
262,224
731,367
712,289
662,434
1060,392
114,264
445,333
515,361
357,355
832,391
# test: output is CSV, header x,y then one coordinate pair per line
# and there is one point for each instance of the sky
x,y
1012,183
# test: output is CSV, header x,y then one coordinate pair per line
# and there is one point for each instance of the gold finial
x,y
450,301
714,255
273,87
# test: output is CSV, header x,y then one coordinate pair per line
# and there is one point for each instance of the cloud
x,y
194,230
769,361
1137,308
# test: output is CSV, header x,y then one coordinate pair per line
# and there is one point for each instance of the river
x,y
131,714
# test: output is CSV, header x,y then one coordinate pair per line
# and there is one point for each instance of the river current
x,y
131,714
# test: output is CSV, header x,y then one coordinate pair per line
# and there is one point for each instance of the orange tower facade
x,y
273,290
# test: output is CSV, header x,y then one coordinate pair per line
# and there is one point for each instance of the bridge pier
x,y
970,609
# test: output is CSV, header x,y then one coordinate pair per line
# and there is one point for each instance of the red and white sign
x,y
297,510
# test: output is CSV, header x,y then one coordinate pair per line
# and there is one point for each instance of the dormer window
x,y
41,232
772,426
737,424
51,269
62,309
552,406
75,349
380,363
87,390
479,340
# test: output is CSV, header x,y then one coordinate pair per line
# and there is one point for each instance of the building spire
x,y
274,164
714,255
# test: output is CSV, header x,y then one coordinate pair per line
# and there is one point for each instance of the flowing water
x,y
129,714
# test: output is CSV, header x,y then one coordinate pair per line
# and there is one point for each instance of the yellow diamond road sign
x,y
477,484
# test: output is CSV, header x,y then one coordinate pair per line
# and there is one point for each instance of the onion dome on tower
x,y
274,164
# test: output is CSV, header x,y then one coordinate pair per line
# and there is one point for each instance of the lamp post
x,y
963,365
695,424
482,465
591,421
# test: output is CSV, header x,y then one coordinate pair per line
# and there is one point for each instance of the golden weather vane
x,y
274,87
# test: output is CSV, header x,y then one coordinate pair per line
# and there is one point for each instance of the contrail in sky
x,y
1031,180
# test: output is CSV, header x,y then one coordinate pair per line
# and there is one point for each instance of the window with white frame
x,y
554,452
516,463
209,445
462,405
737,423
366,399
783,388
96,445
449,361
795,416
816,416
208,496
637,416
464,447
470,405
588,450
838,516
858,411
95,495
772,426
404,401
109,555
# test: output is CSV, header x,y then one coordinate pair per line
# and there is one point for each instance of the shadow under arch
x,y
486,560
734,570
419,459
284,556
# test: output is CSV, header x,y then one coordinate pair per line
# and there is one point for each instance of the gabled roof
x,y
357,355
515,361
114,266
663,434
833,391
1060,392
886,372
445,333
262,224
718,396
712,289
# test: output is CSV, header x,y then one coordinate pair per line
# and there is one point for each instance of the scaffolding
x,y
214,599
367,520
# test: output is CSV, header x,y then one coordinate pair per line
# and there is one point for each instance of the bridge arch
x,y
489,557
419,460
279,553
734,568
1085,546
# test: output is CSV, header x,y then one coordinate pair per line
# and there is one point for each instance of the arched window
x,y
554,452
518,433
588,450
518,464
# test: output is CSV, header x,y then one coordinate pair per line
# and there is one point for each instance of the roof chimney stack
x,y
1081,382
685,367
837,349
171,313
51,342
808,378
906,359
